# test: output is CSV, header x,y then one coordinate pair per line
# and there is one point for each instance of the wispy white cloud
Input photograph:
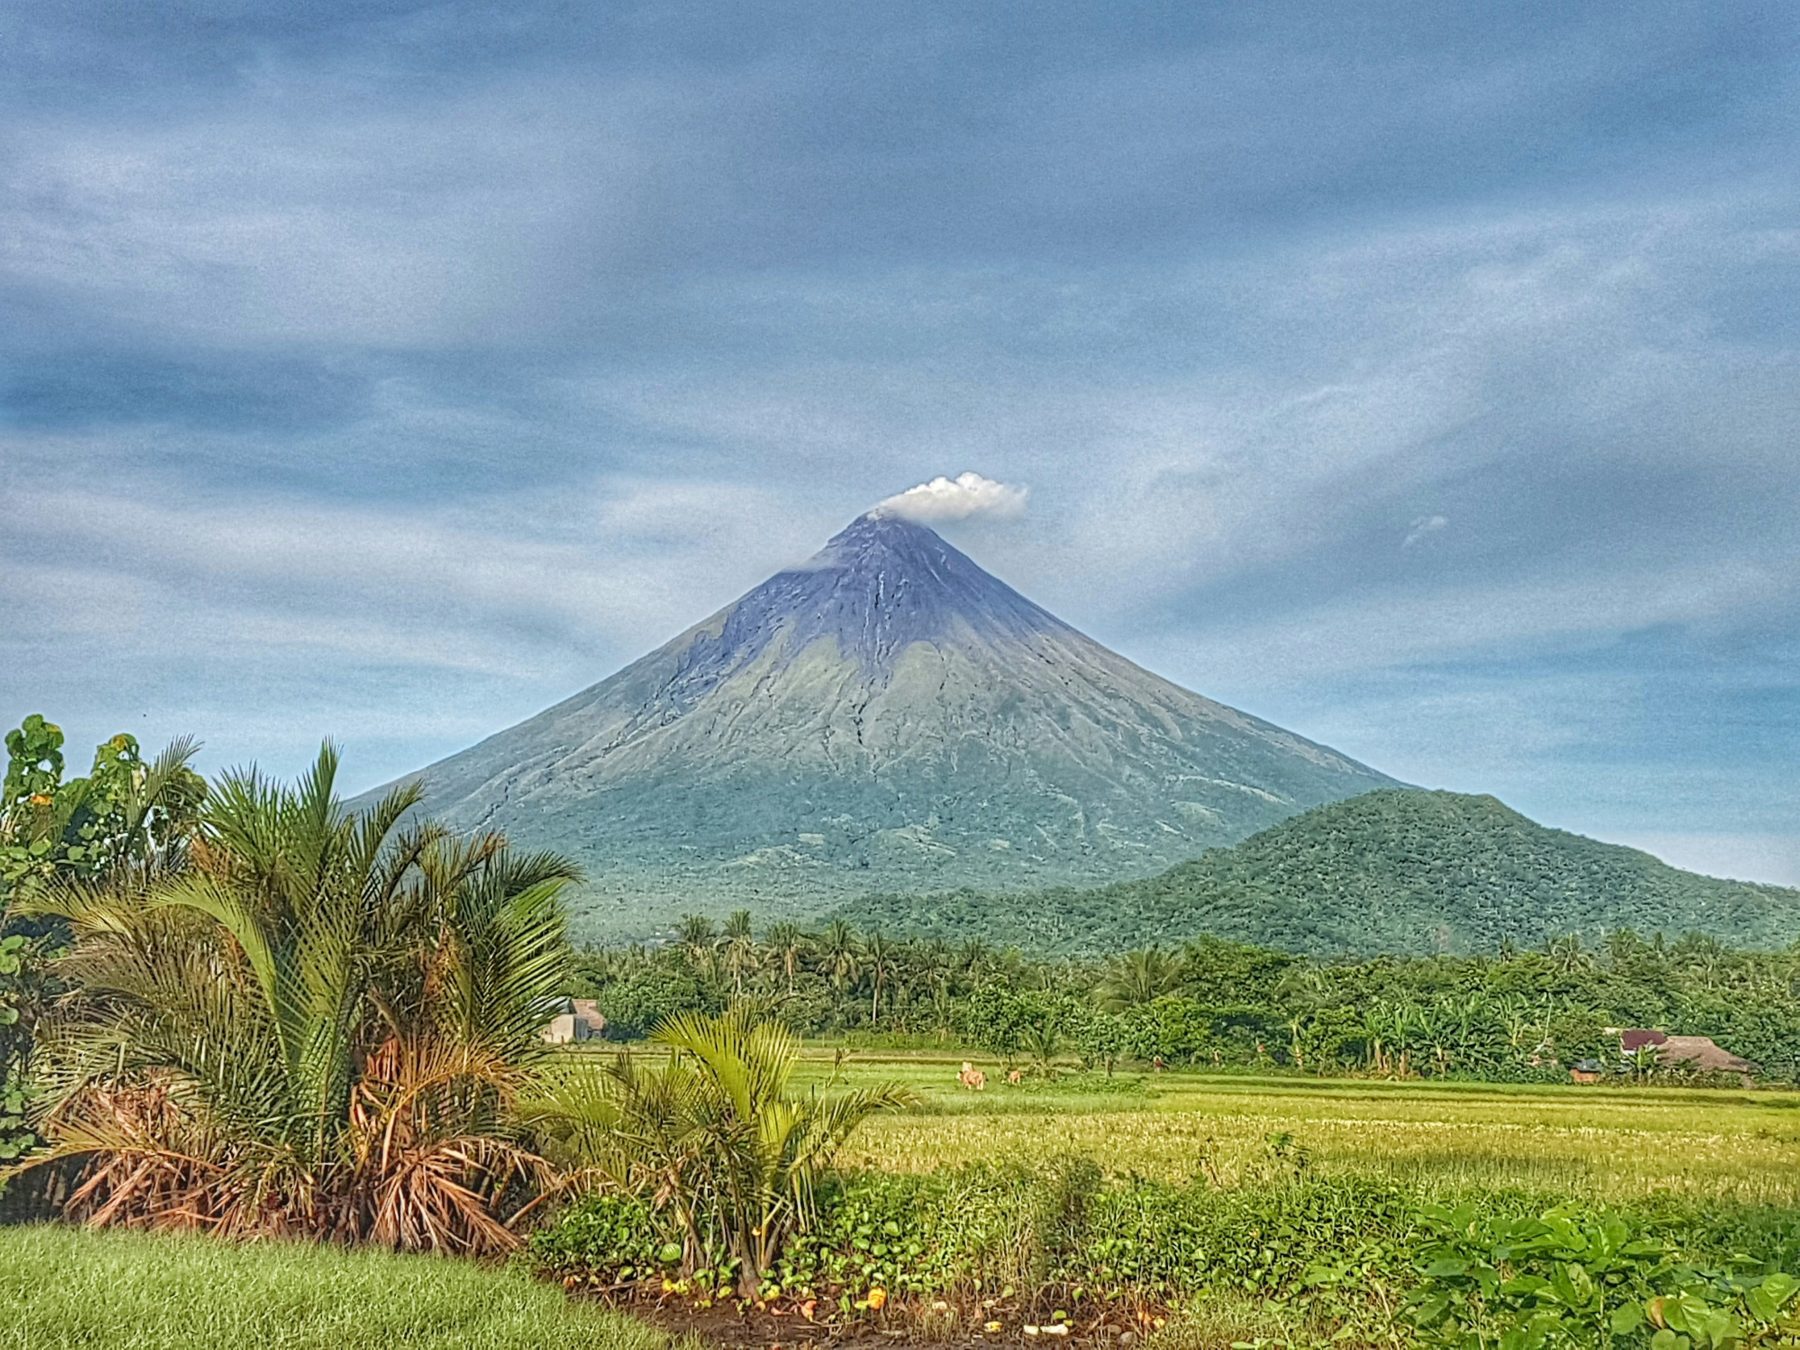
x,y
1422,528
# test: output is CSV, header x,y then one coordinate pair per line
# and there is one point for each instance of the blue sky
x,y
1424,378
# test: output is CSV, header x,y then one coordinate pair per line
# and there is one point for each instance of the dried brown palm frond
x,y
151,1165
430,1169
447,1195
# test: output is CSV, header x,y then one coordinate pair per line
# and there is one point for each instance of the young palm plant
x,y
319,1026
714,1133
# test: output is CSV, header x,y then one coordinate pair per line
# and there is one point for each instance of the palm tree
x,y
1137,978
699,940
1043,1043
879,958
318,1027
840,955
715,1132
740,948
1568,956
789,944
973,958
938,967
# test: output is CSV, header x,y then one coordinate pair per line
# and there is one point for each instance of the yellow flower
x,y
877,1298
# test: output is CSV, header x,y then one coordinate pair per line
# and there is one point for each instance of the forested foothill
x,y
1392,871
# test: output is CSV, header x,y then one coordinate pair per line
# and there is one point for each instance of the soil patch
x,y
900,1328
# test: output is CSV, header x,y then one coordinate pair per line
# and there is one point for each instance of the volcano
x,y
886,716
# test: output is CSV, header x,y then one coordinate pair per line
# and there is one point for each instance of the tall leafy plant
x,y
14,1137
317,1026
124,814
714,1132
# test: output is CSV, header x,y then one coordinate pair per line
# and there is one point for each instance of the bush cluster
x,y
1058,1237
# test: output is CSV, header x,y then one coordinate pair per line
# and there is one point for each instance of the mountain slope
x,y
1389,871
887,715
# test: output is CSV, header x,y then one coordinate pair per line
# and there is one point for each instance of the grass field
x,y
1580,1142
126,1291
67,1287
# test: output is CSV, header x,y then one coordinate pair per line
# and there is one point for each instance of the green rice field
x,y
1608,1144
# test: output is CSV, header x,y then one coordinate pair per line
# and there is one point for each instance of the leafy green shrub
x,y
635,1001
610,1237
1302,1239
14,1137
1051,1234
1565,1278
1751,1239
920,1235
1367,1258
1573,1279
908,1234
1726,1312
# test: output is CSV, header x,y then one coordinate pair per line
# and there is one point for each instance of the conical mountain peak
x,y
885,716
884,540
880,585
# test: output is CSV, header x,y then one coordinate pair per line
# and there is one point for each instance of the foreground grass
x,y
1584,1143
72,1287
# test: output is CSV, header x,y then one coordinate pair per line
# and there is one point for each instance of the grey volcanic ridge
x,y
887,716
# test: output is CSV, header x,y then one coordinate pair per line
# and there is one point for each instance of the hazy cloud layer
x,y
1424,381
963,497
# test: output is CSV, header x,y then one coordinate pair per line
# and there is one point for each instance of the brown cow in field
x,y
1015,1077
972,1078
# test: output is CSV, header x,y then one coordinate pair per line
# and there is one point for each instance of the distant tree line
x,y
1514,1015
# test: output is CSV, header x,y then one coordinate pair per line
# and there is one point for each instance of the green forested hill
x,y
1389,871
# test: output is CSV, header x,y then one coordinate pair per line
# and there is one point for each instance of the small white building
x,y
573,1019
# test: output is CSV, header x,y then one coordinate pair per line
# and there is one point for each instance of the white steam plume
x,y
958,498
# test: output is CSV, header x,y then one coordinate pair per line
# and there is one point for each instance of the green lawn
x,y
131,1291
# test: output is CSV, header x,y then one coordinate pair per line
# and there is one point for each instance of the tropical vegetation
x,y
1278,1257
1515,1015
295,1019
713,1134
124,814
248,1009
277,1016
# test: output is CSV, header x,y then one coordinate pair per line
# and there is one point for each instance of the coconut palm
x,y
788,944
973,958
879,960
840,956
318,1027
739,943
697,937
1137,978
